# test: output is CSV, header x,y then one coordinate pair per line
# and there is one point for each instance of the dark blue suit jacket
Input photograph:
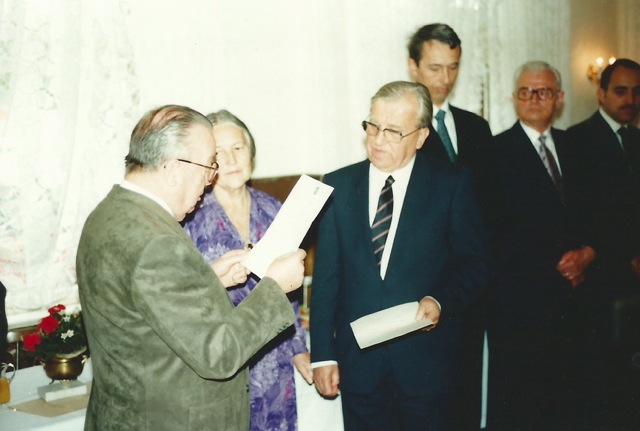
x,y
474,137
439,250
474,141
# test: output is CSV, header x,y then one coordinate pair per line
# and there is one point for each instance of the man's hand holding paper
x,y
288,270
430,310
394,322
290,225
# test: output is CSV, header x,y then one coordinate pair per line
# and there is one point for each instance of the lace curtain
x,y
76,75
519,31
67,87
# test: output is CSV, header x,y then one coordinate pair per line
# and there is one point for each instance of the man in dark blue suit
x,y
435,254
541,257
462,138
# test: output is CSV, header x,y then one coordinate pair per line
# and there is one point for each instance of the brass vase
x,y
62,367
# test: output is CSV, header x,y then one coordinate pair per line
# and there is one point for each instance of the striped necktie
x,y
550,164
382,220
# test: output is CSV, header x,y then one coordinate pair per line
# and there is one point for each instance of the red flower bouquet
x,y
60,333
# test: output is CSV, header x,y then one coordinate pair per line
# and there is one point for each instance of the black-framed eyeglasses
x,y
390,135
526,93
211,171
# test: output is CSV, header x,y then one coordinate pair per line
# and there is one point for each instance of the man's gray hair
x,y
397,89
536,66
159,136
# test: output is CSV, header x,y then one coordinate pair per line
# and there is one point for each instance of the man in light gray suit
x,y
168,347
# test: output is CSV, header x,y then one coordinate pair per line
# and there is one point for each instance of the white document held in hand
x,y
387,324
290,225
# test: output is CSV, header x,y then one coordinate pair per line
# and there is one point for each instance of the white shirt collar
x,y
615,126
401,175
137,189
444,107
533,134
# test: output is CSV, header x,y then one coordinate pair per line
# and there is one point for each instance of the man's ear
x,y
413,68
601,95
560,101
171,172
422,136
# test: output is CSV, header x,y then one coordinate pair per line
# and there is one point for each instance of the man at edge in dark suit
x,y
608,156
435,254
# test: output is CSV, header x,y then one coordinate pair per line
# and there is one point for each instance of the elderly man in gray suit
x,y
168,347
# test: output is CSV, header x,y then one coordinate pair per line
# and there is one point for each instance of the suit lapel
x,y
560,143
357,210
460,131
420,192
606,135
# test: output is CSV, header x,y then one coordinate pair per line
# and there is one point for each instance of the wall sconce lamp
x,y
594,71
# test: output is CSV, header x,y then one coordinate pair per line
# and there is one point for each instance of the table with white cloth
x,y
24,387
314,412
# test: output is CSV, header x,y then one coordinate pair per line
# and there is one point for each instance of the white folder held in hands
x,y
387,324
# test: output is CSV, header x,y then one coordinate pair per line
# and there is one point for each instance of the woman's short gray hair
x,y
225,117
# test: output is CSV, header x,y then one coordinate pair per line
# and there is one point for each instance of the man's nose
x,y
379,138
446,76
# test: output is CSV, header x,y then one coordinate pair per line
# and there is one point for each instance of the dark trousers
x,y
389,409
607,379
467,403
529,367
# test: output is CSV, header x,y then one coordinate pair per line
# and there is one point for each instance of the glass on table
x,y
5,381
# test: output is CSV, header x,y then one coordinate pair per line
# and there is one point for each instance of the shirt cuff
x,y
319,364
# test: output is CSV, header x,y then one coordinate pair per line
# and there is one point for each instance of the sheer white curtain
x,y
77,74
66,94
519,31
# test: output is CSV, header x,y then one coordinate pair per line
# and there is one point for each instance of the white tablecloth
x,y
314,412
24,387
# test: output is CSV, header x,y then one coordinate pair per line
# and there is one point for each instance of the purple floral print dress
x,y
272,388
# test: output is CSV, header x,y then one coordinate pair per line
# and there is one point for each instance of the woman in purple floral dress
x,y
234,216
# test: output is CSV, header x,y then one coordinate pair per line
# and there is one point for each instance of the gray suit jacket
x,y
168,348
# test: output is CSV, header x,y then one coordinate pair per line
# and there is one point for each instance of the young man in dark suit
x,y
434,61
435,254
462,138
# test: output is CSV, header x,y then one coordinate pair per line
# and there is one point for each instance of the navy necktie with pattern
x,y
382,220
444,135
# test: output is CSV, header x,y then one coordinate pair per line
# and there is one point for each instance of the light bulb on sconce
x,y
594,71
